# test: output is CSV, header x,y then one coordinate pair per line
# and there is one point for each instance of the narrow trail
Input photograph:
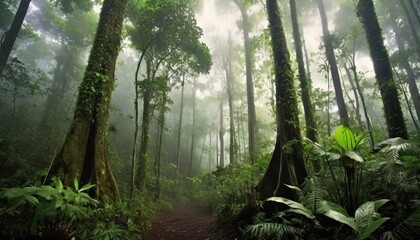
x,y
187,221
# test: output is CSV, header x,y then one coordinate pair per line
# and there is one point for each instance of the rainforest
x,y
210,119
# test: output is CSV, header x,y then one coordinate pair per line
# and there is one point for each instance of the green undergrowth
x,y
226,191
352,192
62,212
358,193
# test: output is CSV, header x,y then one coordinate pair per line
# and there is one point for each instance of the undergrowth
x,y
62,212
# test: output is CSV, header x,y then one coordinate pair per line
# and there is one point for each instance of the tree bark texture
x,y
287,163
392,108
329,50
311,131
84,154
8,40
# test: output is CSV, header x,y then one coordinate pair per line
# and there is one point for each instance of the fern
x,y
409,229
272,230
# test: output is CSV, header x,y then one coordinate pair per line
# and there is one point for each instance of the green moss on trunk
x,y
287,165
84,154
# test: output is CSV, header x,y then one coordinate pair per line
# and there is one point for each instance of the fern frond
x,y
271,230
409,229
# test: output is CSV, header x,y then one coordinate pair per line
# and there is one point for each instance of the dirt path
x,y
187,221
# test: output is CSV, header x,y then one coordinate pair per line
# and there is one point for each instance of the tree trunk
x,y
193,128
416,10
161,129
84,154
356,97
407,101
252,119
362,99
233,144
311,131
287,163
9,37
144,137
342,111
221,135
411,77
178,148
412,27
383,71
308,65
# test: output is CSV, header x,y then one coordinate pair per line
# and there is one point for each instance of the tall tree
x,y
9,37
165,32
329,50
404,60
192,149
221,134
227,65
178,148
84,154
413,29
305,85
392,108
252,118
287,164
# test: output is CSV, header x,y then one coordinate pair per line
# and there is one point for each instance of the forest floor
x,y
187,221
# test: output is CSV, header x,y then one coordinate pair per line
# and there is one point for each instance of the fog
x,y
39,88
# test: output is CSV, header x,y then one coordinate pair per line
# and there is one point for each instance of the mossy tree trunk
x,y
329,50
84,154
287,164
311,131
9,37
392,108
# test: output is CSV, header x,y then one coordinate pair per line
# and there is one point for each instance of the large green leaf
x,y
364,213
354,155
339,217
345,138
371,228
379,203
298,207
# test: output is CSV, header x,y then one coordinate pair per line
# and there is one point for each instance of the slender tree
x,y
411,76
178,148
286,165
84,154
227,65
392,108
192,149
413,29
9,37
305,84
329,50
221,134
252,118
